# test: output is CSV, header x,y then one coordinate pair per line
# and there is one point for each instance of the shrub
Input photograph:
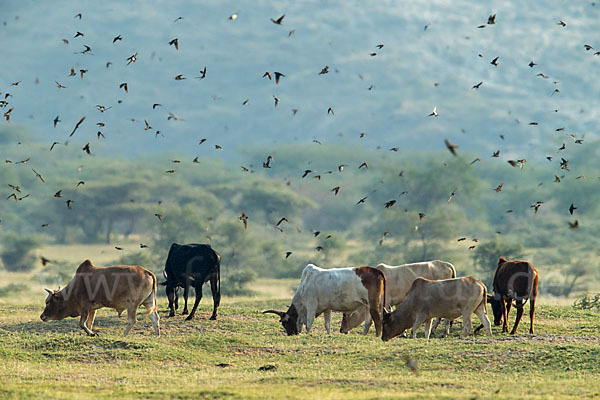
x,y
587,302
17,251
234,284
11,289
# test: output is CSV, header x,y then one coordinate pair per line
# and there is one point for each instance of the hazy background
x,y
433,54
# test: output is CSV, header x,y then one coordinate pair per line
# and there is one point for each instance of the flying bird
x,y
494,62
124,87
434,113
499,188
572,208
202,74
390,203
451,147
279,20
324,70
478,85
38,175
277,76
244,219
174,42
335,190
116,38
77,126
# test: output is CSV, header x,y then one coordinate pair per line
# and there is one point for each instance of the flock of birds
x,y
278,77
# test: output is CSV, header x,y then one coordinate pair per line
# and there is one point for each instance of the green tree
x,y
17,253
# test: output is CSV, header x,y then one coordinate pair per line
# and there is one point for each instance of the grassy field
x,y
223,359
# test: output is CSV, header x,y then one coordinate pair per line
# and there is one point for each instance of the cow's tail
x,y
384,287
219,274
153,294
484,300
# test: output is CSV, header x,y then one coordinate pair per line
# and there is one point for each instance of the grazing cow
x,y
399,280
338,289
514,280
120,287
192,265
449,298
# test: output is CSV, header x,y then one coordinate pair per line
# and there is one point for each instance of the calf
x,y
340,289
399,280
449,298
518,281
120,287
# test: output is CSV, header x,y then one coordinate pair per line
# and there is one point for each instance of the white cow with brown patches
x,y
340,289
399,280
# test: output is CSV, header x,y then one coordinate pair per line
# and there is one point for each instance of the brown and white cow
x,y
399,281
120,287
449,299
518,281
339,289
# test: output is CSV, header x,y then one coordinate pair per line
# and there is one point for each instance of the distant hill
x,y
433,54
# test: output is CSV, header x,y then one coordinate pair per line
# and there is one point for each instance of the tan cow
x,y
119,287
449,298
399,280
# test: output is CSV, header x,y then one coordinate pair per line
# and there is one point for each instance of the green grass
x,y
57,360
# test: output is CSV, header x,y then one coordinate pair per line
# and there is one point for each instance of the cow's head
x,y
496,302
352,319
288,319
56,307
394,324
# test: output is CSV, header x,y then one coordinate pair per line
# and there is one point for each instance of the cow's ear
x,y
163,283
49,291
285,317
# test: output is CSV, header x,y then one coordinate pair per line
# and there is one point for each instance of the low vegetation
x,y
246,355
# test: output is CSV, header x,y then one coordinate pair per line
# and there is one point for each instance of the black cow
x,y
192,265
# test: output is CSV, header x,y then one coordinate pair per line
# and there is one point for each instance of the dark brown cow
x,y
120,287
514,280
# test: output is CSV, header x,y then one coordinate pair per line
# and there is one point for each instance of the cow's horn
x,y
280,313
48,290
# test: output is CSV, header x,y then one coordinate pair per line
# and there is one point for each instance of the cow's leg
x,y
90,319
131,311
327,317
155,324
198,289
503,308
519,305
418,321
150,305
480,311
186,291
447,324
377,320
368,322
531,313
435,325
82,321
428,328
311,313
216,295
466,325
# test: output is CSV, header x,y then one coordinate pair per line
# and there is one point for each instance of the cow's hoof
x,y
213,318
189,317
184,312
171,314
